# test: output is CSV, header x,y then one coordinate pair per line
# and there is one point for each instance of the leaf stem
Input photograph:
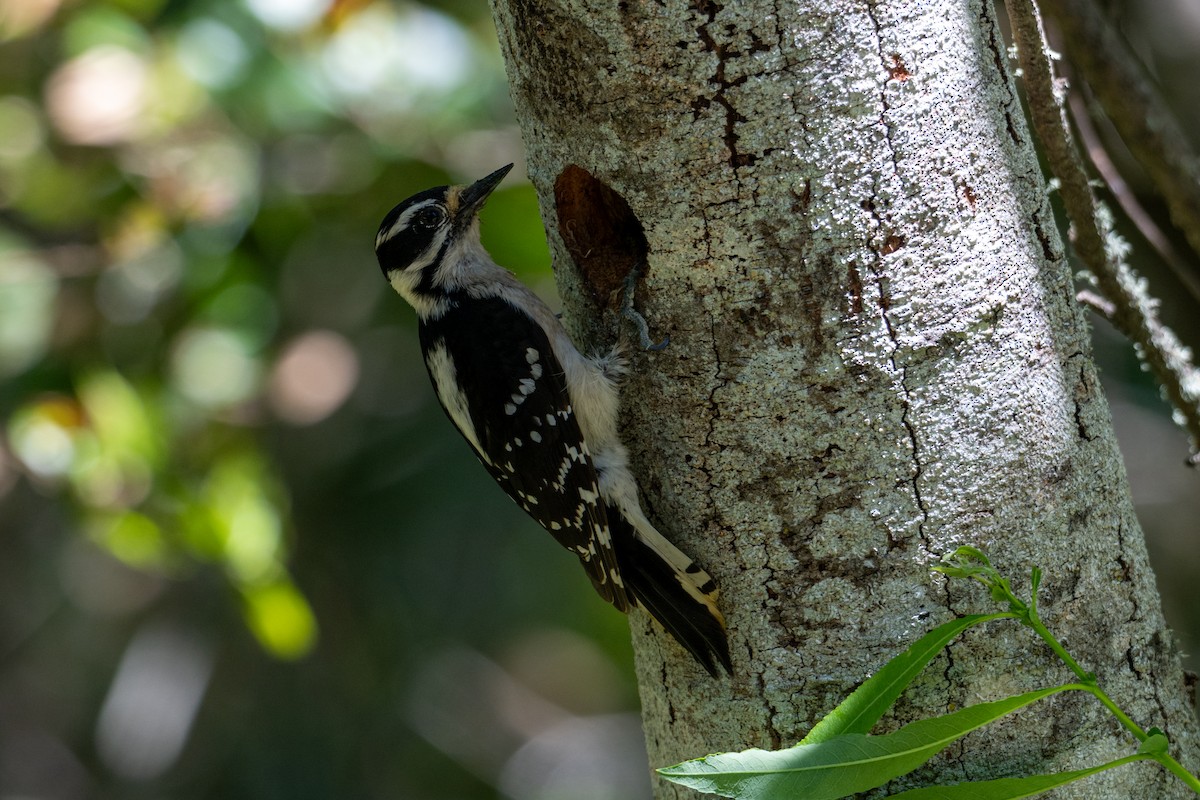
x,y
970,562
1178,771
1088,679
1121,716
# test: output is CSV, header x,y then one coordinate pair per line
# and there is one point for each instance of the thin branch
x,y
1135,313
1113,181
1096,303
1129,98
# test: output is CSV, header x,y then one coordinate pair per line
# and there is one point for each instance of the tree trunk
x,y
875,357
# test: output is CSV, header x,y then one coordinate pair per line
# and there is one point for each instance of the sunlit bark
x,y
875,356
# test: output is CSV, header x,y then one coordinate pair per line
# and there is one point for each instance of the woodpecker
x,y
540,416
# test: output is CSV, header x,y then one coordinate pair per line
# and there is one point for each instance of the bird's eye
x,y
429,217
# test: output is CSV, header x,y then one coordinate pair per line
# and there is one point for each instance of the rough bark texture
x,y
875,357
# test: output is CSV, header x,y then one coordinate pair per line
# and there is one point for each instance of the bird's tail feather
x,y
676,592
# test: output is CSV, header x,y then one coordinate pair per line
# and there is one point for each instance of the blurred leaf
x,y
98,25
246,523
281,619
215,367
60,196
142,9
247,308
21,130
28,289
132,537
121,419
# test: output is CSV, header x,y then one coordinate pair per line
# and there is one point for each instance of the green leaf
x,y
843,764
1154,744
965,562
859,712
1008,788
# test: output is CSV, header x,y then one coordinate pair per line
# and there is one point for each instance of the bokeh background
x,y
242,553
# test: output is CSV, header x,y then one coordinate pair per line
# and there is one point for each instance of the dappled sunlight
x,y
367,55
288,15
152,702
99,97
44,436
214,367
211,53
206,176
313,377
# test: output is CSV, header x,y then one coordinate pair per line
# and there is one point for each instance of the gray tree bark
x,y
875,357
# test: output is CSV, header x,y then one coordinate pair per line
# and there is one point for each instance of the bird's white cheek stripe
x,y
451,395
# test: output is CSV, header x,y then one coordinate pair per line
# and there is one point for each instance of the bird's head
x,y
425,242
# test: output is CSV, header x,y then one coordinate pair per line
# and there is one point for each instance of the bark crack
x,y
987,24
1127,573
772,714
714,414
891,242
719,383
890,63
1082,394
725,54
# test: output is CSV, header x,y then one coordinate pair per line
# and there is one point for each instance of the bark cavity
x,y
603,235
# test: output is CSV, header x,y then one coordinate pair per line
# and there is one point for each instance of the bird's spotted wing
x,y
519,420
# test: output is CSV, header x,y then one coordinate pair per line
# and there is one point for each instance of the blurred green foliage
x,y
243,553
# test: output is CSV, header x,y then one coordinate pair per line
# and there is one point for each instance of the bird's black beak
x,y
474,196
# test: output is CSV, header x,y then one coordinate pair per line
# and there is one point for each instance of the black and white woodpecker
x,y
541,417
